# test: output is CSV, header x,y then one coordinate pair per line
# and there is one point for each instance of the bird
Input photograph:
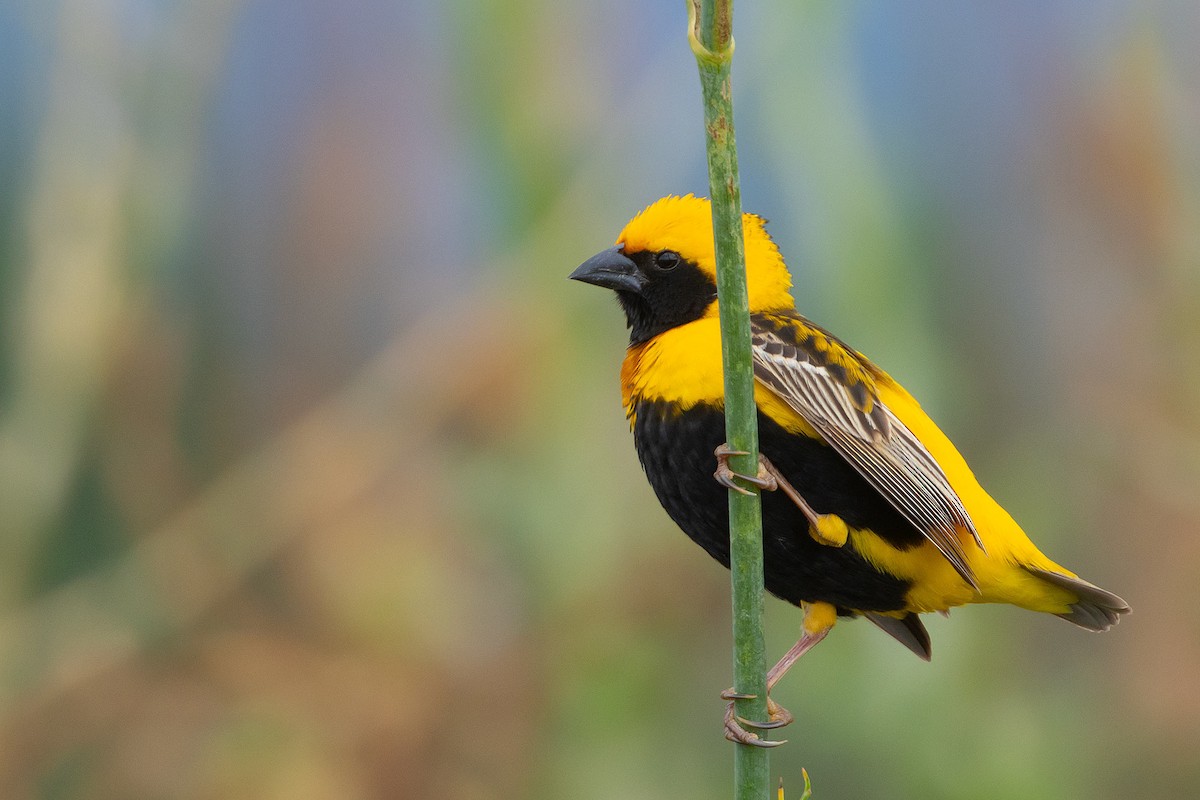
x,y
868,509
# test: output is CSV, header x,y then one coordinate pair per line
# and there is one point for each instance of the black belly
x,y
676,450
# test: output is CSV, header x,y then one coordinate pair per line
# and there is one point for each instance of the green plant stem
x,y
710,34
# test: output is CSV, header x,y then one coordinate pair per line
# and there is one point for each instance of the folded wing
x,y
825,386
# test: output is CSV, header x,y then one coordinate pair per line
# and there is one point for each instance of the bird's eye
x,y
667,260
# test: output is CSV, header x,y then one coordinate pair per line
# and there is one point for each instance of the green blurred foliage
x,y
313,476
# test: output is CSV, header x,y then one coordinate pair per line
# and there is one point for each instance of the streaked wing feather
x,y
872,439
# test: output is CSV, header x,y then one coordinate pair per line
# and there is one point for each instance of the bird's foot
x,y
735,726
725,475
827,529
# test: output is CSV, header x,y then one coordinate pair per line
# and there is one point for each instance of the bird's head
x,y
663,267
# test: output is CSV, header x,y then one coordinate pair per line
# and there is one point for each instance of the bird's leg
x,y
819,619
826,529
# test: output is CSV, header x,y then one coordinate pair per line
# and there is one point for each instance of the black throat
x,y
666,301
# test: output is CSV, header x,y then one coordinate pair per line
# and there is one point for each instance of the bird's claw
x,y
735,726
777,717
763,726
725,474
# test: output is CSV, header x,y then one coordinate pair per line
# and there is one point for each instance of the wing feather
x,y
844,407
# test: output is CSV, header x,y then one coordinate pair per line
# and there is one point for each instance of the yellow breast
x,y
683,366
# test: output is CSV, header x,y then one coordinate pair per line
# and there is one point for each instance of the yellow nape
x,y
684,224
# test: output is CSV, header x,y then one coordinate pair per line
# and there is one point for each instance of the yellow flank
x,y
936,584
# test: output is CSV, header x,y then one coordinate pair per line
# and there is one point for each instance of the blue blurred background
x,y
314,480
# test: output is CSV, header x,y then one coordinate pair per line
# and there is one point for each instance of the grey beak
x,y
611,269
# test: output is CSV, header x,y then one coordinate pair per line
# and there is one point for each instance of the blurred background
x,y
314,480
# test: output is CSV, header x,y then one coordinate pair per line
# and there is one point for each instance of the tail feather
x,y
1097,609
908,631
